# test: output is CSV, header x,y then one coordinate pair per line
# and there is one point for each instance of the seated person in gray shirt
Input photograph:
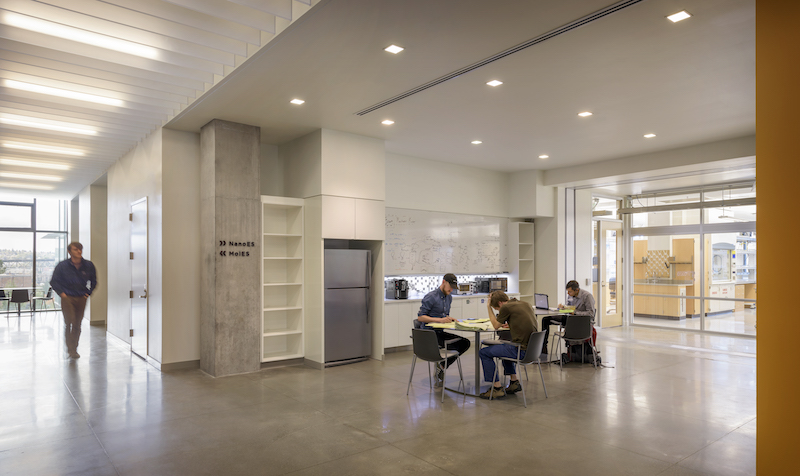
x,y
435,307
580,300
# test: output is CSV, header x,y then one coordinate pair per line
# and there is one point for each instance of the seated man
x,y
521,322
580,301
435,307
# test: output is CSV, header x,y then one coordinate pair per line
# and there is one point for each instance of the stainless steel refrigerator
x,y
348,326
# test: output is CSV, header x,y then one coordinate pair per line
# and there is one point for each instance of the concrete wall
x,y
136,175
421,184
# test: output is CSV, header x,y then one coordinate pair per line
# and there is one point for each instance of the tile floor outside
x,y
674,403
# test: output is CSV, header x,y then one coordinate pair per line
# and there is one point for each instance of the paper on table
x,y
437,325
475,319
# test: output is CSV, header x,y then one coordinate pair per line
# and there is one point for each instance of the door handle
x,y
145,295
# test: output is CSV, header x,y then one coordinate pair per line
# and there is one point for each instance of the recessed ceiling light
x,y
297,101
544,156
387,122
46,178
39,148
38,123
649,136
494,83
64,93
476,142
24,185
81,36
585,114
38,165
394,49
681,15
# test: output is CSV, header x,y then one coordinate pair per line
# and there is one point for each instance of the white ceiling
x,y
689,83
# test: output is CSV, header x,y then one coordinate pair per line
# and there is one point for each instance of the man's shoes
x,y
494,392
514,387
75,355
439,379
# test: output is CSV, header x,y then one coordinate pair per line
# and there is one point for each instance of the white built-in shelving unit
x,y
520,257
281,278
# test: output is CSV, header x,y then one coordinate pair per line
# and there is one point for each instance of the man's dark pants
x,y
72,307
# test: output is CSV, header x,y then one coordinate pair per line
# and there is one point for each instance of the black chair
x,y
5,297
577,331
47,297
535,343
18,297
426,347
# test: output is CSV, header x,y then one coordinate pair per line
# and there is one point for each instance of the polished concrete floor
x,y
674,403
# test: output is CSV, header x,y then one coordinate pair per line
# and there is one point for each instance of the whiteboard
x,y
422,242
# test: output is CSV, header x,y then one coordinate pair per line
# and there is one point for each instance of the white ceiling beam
x,y
90,81
110,29
122,119
67,60
192,18
231,12
168,62
154,24
279,8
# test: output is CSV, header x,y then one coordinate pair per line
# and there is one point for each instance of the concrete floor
x,y
675,403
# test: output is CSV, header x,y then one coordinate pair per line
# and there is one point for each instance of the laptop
x,y
541,302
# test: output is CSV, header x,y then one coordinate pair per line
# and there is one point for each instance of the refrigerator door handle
x,y
368,306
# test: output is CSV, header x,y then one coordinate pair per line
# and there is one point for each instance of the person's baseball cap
x,y
451,279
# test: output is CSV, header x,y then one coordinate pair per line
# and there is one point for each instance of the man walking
x,y
74,279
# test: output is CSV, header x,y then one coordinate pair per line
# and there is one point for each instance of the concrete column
x,y
230,228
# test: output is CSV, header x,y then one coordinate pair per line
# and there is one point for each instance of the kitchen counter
x,y
415,296
664,282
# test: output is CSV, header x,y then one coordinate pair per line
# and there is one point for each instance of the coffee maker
x,y
396,289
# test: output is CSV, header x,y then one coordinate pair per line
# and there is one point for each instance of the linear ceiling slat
x,y
68,60
90,81
155,113
73,19
168,62
143,21
192,18
280,8
120,119
231,12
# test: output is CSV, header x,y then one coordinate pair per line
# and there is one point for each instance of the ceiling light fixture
x,y
681,15
387,122
394,49
585,114
24,185
38,165
477,142
39,148
649,136
46,178
544,156
494,83
64,93
37,123
81,36
297,101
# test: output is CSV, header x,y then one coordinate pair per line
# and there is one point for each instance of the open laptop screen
x,y
541,301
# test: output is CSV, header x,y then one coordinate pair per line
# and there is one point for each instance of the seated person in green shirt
x,y
521,322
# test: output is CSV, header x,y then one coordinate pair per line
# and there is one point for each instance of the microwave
x,y
498,284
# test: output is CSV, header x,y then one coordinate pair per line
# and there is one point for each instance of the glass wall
x,y
33,239
693,258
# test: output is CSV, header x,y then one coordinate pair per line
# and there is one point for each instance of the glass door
x,y
609,273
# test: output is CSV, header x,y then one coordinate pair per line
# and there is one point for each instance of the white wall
x,y
302,166
99,257
85,233
181,241
353,166
421,184
529,197
549,249
136,175
272,171
583,240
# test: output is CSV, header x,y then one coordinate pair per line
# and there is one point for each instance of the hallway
x,y
675,403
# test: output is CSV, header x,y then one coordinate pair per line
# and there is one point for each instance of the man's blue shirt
x,y
73,281
435,304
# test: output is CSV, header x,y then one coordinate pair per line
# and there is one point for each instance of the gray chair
x,y
5,297
535,343
18,297
426,347
577,331
47,297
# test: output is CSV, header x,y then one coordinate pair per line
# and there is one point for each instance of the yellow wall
x,y
777,176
